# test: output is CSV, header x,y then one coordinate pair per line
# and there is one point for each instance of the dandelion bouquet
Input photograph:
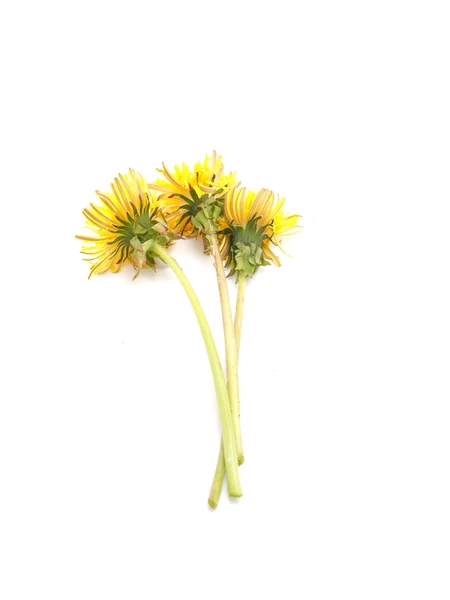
x,y
137,221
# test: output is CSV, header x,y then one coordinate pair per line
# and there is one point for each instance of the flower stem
x,y
238,315
230,454
216,487
230,346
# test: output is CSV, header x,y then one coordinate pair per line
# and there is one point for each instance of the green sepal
x,y
245,259
148,232
202,212
246,255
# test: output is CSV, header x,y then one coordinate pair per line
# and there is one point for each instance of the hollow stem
x,y
230,454
230,346
216,487
239,314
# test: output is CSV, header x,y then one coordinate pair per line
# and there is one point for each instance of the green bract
x,y
246,255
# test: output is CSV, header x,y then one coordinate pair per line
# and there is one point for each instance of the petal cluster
x,y
128,213
186,193
201,201
253,222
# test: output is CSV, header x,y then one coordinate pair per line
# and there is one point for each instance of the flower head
x,y
191,199
253,222
125,224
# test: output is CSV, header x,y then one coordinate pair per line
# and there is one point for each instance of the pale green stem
x,y
230,346
238,315
216,487
229,443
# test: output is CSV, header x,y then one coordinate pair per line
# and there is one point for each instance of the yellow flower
x,y
127,217
253,222
187,194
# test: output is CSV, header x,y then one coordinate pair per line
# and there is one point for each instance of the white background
x,y
108,426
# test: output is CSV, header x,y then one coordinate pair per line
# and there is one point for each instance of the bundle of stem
x,y
230,452
216,486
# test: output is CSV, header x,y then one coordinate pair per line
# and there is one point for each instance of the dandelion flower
x,y
129,227
128,215
189,195
253,222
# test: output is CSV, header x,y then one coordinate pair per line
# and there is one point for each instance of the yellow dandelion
x,y
188,195
127,217
128,226
253,222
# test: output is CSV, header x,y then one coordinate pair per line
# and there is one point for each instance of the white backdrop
x,y
108,425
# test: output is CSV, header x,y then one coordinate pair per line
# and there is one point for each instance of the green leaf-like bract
x,y
246,255
202,211
141,232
